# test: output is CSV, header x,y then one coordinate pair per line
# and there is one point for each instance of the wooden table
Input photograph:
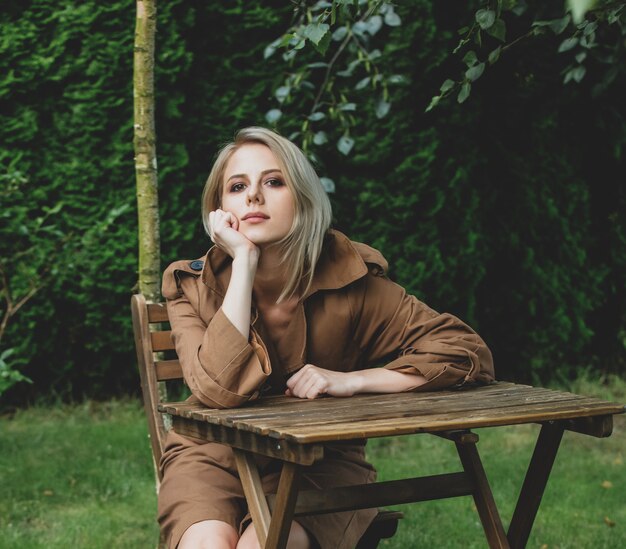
x,y
295,431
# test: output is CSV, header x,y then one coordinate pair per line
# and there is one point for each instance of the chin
x,y
260,239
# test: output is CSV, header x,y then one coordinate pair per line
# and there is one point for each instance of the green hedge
x,y
507,210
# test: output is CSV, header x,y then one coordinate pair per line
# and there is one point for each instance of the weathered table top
x,y
374,415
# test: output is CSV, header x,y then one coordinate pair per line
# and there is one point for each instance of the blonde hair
x,y
302,246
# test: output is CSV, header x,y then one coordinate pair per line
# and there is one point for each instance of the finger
x,y
295,378
301,384
317,387
300,380
235,224
313,386
211,224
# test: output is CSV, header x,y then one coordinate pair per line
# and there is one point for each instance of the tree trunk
x,y
146,166
145,151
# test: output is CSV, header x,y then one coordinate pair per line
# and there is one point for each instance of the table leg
x,y
535,483
483,497
284,507
253,490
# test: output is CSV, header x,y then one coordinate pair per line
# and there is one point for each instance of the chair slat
x,y
168,369
157,312
162,341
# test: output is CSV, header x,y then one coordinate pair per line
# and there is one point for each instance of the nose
x,y
254,194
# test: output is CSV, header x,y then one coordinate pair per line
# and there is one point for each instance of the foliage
x,y
321,97
507,210
578,28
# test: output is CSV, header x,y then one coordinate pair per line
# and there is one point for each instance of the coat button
x,y
196,265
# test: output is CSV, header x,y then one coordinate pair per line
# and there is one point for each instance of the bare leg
x,y
298,538
209,534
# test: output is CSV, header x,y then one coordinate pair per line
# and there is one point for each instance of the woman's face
x,y
255,192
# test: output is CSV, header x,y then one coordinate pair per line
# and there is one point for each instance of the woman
x,y
283,304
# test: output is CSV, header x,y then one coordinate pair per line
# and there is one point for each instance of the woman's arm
x,y
238,299
223,361
421,349
311,382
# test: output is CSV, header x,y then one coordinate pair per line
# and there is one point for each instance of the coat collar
x,y
341,263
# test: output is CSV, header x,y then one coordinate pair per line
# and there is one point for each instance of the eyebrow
x,y
264,172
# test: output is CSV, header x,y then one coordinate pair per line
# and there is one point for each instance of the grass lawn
x,y
81,477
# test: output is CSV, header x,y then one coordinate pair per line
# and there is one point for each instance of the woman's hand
x,y
311,382
224,231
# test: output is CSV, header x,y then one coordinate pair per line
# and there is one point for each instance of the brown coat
x,y
353,317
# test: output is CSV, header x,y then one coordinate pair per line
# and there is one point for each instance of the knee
x,y
298,538
209,534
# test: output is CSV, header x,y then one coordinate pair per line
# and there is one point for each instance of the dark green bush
x,y
507,210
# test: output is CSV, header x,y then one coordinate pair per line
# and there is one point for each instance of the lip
x,y
255,216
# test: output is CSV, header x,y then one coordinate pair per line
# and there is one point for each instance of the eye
x,y
274,182
237,187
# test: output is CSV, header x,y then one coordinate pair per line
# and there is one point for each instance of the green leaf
x,y
392,18
579,8
322,47
464,93
498,30
270,49
576,73
589,28
568,44
433,103
347,107
328,184
345,144
447,85
340,33
461,43
557,26
475,72
588,40
579,73
470,58
282,93
518,7
580,57
495,55
374,24
382,108
396,79
317,65
485,18
315,32
316,116
320,138
359,28
361,84
272,116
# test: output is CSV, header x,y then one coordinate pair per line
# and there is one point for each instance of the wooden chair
x,y
157,361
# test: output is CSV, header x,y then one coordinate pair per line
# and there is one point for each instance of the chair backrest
x,y
152,339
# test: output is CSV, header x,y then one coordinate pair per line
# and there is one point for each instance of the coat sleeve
x,y
221,367
410,337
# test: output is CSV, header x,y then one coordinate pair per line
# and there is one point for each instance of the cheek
x,y
289,209
227,203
